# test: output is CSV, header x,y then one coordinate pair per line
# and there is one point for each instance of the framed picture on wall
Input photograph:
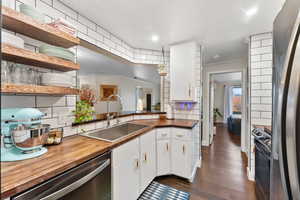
x,y
107,90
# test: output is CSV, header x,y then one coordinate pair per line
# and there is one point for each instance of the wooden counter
x,y
19,176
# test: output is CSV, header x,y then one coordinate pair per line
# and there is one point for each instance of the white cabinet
x,y
182,71
181,158
126,171
163,157
185,152
148,159
159,152
133,166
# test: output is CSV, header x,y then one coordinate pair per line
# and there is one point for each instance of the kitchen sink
x,y
116,132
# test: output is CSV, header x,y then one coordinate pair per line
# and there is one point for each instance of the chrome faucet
x,y
108,116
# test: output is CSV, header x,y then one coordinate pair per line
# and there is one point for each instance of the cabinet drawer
x,y
182,133
163,133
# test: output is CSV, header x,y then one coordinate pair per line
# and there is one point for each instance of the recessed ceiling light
x,y
154,38
252,11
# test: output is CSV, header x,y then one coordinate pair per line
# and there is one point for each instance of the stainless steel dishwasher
x,y
90,180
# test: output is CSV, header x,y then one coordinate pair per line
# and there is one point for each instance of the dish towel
x,y
157,191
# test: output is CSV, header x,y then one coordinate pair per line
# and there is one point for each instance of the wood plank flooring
x,y
223,175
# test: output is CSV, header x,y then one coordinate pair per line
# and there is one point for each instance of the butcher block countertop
x,y
19,176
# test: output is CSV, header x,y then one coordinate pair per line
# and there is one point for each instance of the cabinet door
x,y
126,171
182,59
163,157
181,158
148,159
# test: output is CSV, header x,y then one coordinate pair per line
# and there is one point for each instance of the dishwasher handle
x,y
60,193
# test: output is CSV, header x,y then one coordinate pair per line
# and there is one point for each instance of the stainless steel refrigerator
x,y
285,165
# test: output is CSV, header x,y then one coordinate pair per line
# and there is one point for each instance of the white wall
x,y
126,89
260,78
219,99
223,67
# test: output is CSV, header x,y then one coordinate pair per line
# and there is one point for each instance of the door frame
x,y
217,68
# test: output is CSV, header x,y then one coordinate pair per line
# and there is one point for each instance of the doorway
x,y
226,104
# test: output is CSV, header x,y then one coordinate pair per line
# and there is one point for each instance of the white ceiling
x,y
95,63
221,26
228,77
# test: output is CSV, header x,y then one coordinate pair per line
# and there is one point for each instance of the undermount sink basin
x,y
115,133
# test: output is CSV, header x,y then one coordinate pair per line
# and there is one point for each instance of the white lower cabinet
x,y
178,154
133,167
159,152
163,157
126,171
148,159
181,157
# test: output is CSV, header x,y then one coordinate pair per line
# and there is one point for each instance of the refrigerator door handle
x,y
292,121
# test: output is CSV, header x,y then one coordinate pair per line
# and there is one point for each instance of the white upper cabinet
x,y
183,59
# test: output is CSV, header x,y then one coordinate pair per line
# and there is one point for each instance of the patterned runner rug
x,y
157,191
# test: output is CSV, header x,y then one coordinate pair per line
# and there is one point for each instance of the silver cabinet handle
x,y
60,193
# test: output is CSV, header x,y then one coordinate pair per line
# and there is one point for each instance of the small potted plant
x,y
217,114
84,107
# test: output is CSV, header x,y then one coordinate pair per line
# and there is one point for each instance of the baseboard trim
x,y
192,177
250,175
205,143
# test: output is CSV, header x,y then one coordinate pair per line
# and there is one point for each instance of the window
x,y
236,100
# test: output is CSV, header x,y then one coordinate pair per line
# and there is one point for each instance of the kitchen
x,y
85,113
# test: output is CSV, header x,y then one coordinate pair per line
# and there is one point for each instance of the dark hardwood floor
x,y
223,174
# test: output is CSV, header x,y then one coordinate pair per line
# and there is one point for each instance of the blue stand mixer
x,y
22,134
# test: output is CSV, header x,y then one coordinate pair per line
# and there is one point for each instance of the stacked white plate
x,y
11,39
56,79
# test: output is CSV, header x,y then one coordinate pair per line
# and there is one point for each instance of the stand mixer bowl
x,y
30,138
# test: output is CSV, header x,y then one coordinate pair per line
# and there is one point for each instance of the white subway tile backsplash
x,y
28,2
69,131
255,114
267,42
256,100
266,57
47,111
256,44
48,10
266,86
64,9
266,79
266,115
87,22
255,58
266,100
261,107
266,64
95,35
261,36
79,27
53,122
17,101
71,100
266,71
46,101
261,50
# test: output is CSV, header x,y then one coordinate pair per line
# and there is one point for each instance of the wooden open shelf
x,y
28,57
37,89
25,25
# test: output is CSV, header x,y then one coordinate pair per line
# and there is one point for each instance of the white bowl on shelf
x,y
11,39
